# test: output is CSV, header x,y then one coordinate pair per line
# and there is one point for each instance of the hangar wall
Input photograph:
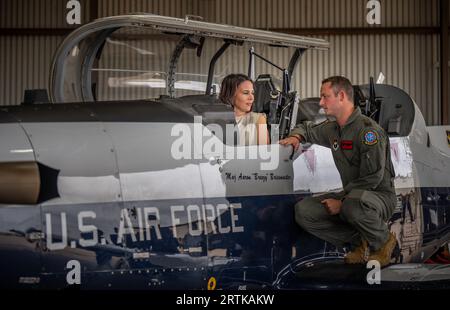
x,y
24,64
408,58
37,13
25,52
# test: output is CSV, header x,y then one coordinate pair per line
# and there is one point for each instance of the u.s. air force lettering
x,y
140,224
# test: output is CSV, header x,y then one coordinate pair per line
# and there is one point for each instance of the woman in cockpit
x,y
237,91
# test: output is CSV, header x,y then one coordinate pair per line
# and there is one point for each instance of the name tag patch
x,y
347,144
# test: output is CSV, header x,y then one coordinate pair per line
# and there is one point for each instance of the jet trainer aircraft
x,y
132,176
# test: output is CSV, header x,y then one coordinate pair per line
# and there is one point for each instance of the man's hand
x,y
294,141
333,206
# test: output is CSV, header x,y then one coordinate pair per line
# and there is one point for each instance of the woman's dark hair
x,y
229,86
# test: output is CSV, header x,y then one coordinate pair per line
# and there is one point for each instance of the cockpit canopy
x,y
148,56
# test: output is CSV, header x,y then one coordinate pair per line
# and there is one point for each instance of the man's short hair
x,y
340,83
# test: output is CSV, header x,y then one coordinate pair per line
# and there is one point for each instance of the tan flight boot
x,y
358,255
383,255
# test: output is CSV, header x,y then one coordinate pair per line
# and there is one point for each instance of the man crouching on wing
x,y
361,153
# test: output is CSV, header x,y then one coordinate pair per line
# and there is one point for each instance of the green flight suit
x,y
361,153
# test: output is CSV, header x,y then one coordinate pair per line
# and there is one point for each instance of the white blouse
x,y
248,131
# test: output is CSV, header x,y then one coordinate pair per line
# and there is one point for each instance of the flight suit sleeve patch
x,y
370,137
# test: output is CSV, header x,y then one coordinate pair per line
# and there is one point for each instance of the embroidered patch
x,y
370,138
347,144
335,145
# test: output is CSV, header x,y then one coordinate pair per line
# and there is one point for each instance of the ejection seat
x,y
266,98
390,106
309,110
265,94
